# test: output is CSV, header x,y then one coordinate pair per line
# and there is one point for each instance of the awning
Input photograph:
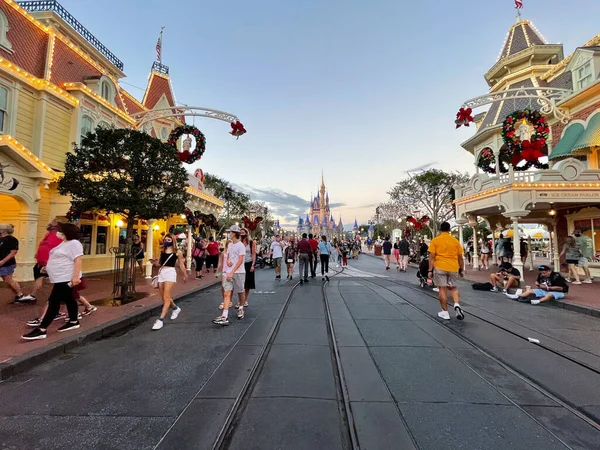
x,y
565,145
590,137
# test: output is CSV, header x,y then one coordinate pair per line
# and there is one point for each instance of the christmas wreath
x,y
487,161
528,150
188,155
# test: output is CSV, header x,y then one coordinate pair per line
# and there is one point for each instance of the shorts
x,y
236,284
539,293
441,278
397,254
6,271
277,262
37,272
167,274
572,261
404,259
77,289
583,263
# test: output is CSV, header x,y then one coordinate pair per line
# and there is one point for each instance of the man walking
x,y
276,254
586,249
314,245
387,252
404,253
446,257
304,252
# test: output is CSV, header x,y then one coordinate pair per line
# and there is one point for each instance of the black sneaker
x,y
19,298
460,315
35,323
306,280
301,281
326,278
69,326
34,335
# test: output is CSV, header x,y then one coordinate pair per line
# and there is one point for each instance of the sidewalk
x,y
581,298
16,354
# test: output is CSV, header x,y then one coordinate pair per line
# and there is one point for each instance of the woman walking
x,y
167,277
249,262
324,253
397,253
64,272
572,254
485,255
9,247
137,249
290,255
199,254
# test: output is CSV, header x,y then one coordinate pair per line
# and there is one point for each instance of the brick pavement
x,y
99,287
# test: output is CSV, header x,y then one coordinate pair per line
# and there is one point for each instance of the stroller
x,y
422,272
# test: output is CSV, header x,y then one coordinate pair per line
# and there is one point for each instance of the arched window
x,y
86,125
163,133
3,109
4,28
104,124
105,91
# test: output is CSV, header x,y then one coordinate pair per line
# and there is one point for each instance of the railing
x,y
54,6
160,68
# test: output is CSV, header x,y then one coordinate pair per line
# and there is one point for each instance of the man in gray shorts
x,y
446,257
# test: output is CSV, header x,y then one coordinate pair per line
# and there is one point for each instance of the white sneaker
x,y
576,282
460,315
512,296
436,289
587,281
444,315
535,302
175,312
158,324
494,289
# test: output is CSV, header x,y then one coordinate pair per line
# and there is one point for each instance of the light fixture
x,y
552,211
156,227
119,223
183,216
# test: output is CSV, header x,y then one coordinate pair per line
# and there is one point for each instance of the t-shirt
x,y
62,261
387,248
7,245
324,248
404,247
50,241
213,248
314,244
233,253
304,246
514,272
447,249
277,249
571,253
555,279
585,245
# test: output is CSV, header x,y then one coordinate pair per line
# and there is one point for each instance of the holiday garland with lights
x,y
187,156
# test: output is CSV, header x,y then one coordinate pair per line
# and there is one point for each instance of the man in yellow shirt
x,y
446,256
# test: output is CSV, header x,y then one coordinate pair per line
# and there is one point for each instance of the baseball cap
x,y
234,228
544,268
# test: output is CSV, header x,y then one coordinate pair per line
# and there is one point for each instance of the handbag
x,y
154,281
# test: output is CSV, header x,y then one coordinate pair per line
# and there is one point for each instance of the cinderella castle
x,y
319,220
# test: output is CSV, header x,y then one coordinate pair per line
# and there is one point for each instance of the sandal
x,y
246,305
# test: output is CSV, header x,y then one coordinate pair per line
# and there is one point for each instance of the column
x,y
461,223
188,258
530,253
555,253
517,263
149,247
473,223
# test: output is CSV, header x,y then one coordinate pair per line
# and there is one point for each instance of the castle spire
x,y
322,180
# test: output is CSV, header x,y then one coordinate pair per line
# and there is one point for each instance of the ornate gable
x,y
159,86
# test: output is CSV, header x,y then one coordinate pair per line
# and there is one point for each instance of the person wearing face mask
x,y
586,248
170,256
9,247
64,272
137,249
49,241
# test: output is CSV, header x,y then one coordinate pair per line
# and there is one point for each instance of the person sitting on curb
x,y
549,285
507,277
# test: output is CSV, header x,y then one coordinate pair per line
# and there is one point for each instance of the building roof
x,y
158,85
521,36
500,110
567,141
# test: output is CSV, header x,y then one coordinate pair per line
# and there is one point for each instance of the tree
x,y
236,202
261,209
430,193
126,172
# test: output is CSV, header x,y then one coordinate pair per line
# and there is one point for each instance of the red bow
x,y
251,224
237,129
463,117
530,152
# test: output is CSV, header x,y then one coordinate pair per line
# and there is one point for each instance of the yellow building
x,y
58,82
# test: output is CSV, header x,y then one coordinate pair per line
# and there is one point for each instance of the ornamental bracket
x,y
546,97
144,117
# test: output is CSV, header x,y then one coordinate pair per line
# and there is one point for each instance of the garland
x,y
529,151
187,156
208,220
72,215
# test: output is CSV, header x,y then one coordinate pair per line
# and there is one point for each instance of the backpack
x,y
482,286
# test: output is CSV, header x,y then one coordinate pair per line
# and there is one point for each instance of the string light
x,y
82,87
204,196
16,145
522,186
51,57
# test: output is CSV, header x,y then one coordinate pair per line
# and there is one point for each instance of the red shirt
x,y
304,246
213,248
50,241
314,244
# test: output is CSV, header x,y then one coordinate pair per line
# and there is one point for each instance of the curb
x,y
36,357
568,306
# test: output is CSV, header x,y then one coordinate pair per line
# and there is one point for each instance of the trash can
x,y
378,250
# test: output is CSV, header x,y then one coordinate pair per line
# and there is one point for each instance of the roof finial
x,y
322,179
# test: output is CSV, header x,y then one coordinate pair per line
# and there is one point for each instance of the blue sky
x,y
361,90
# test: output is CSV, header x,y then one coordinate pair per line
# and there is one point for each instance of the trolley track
x,y
234,416
565,403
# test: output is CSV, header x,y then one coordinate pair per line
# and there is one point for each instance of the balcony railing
x,y
55,7
160,68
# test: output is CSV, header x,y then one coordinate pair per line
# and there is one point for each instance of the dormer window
x,y
584,75
4,43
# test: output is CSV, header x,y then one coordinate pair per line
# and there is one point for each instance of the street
x,y
362,362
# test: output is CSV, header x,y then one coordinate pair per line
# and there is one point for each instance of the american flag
x,y
159,46
519,4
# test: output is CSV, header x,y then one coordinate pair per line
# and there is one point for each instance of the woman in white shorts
x,y
170,256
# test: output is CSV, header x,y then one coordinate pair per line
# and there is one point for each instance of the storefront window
x,y
101,237
85,237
